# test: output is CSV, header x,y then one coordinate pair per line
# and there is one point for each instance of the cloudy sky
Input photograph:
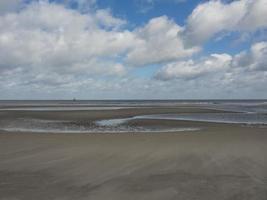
x,y
133,49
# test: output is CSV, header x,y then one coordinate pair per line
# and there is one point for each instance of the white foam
x,y
112,122
228,118
29,130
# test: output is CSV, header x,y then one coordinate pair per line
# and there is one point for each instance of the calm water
x,y
238,111
128,102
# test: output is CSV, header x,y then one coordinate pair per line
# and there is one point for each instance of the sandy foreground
x,y
219,161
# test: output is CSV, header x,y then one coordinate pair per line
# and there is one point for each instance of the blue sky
x,y
139,49
139,11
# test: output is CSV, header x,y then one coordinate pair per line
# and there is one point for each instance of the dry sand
x,y
218,162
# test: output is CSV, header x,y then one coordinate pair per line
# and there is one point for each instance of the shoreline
x,y
220,161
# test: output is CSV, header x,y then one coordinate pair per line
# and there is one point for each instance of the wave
x,y
57,126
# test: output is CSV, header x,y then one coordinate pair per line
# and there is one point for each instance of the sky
x,y
133,49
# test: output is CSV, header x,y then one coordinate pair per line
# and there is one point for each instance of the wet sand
x,y
220,161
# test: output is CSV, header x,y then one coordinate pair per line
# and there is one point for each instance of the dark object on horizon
x,y
74,99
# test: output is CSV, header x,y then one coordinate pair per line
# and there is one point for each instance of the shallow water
x,y
239,112
58,108
55,126
230,118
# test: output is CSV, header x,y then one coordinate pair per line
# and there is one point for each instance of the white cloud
x,y
214,17
48,37
105,18
253,60
159,41
53,48
191,69
46,45
219,75
247,69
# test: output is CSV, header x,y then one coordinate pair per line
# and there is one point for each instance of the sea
x,y
12,118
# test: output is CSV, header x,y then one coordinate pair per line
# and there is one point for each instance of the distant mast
x,y
74,99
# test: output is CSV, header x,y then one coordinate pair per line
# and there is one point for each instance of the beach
x,y
133,99
212,161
